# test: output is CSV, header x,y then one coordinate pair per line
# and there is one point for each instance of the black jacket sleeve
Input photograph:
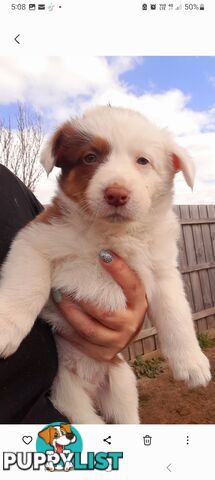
x,y
25,377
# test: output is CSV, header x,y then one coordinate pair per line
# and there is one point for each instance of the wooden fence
x,y
197,265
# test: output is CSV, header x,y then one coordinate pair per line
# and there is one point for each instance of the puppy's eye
x,y
142,161
56,435
90,158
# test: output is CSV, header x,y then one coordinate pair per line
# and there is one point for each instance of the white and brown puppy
x,y
114,192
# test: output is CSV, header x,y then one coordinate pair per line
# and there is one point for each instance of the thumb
x,y
126,278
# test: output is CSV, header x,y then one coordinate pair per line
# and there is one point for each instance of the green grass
x,y
147,368
205,341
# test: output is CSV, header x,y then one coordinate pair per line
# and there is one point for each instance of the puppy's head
x,y
58,436
115,164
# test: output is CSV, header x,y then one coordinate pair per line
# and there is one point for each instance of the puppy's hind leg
x,y
118,402
70,398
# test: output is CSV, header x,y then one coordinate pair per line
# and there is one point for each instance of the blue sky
x,y
175,92
8,113
190,74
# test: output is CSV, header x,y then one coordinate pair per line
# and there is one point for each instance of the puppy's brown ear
x,y
45,435
56,151
181,161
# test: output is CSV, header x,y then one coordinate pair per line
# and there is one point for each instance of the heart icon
x,y
27,440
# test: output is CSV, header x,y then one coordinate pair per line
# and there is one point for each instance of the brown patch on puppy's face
x,y
75,183
78,154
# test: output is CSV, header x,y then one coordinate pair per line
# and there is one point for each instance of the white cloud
x,y
59,87
56,85
169,109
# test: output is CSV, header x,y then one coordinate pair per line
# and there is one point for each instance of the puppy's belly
x,y
93,374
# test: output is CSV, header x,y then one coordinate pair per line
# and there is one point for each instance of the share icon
x,y
107,440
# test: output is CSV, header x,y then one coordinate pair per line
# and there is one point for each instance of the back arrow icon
x,y
17,41
169,467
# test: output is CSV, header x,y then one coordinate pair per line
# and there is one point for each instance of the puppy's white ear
x,y
57,151
181,161
47,158
50,154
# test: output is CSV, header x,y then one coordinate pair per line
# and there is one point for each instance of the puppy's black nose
x,y
116,196
69,436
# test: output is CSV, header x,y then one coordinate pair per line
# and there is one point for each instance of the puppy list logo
x,y
59,446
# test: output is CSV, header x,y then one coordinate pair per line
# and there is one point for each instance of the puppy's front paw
x,y
12,327
192,367
10,338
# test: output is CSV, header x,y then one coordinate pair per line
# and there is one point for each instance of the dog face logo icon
x,y
58,436
59,441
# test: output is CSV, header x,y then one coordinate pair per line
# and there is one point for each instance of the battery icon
x,y
202,7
